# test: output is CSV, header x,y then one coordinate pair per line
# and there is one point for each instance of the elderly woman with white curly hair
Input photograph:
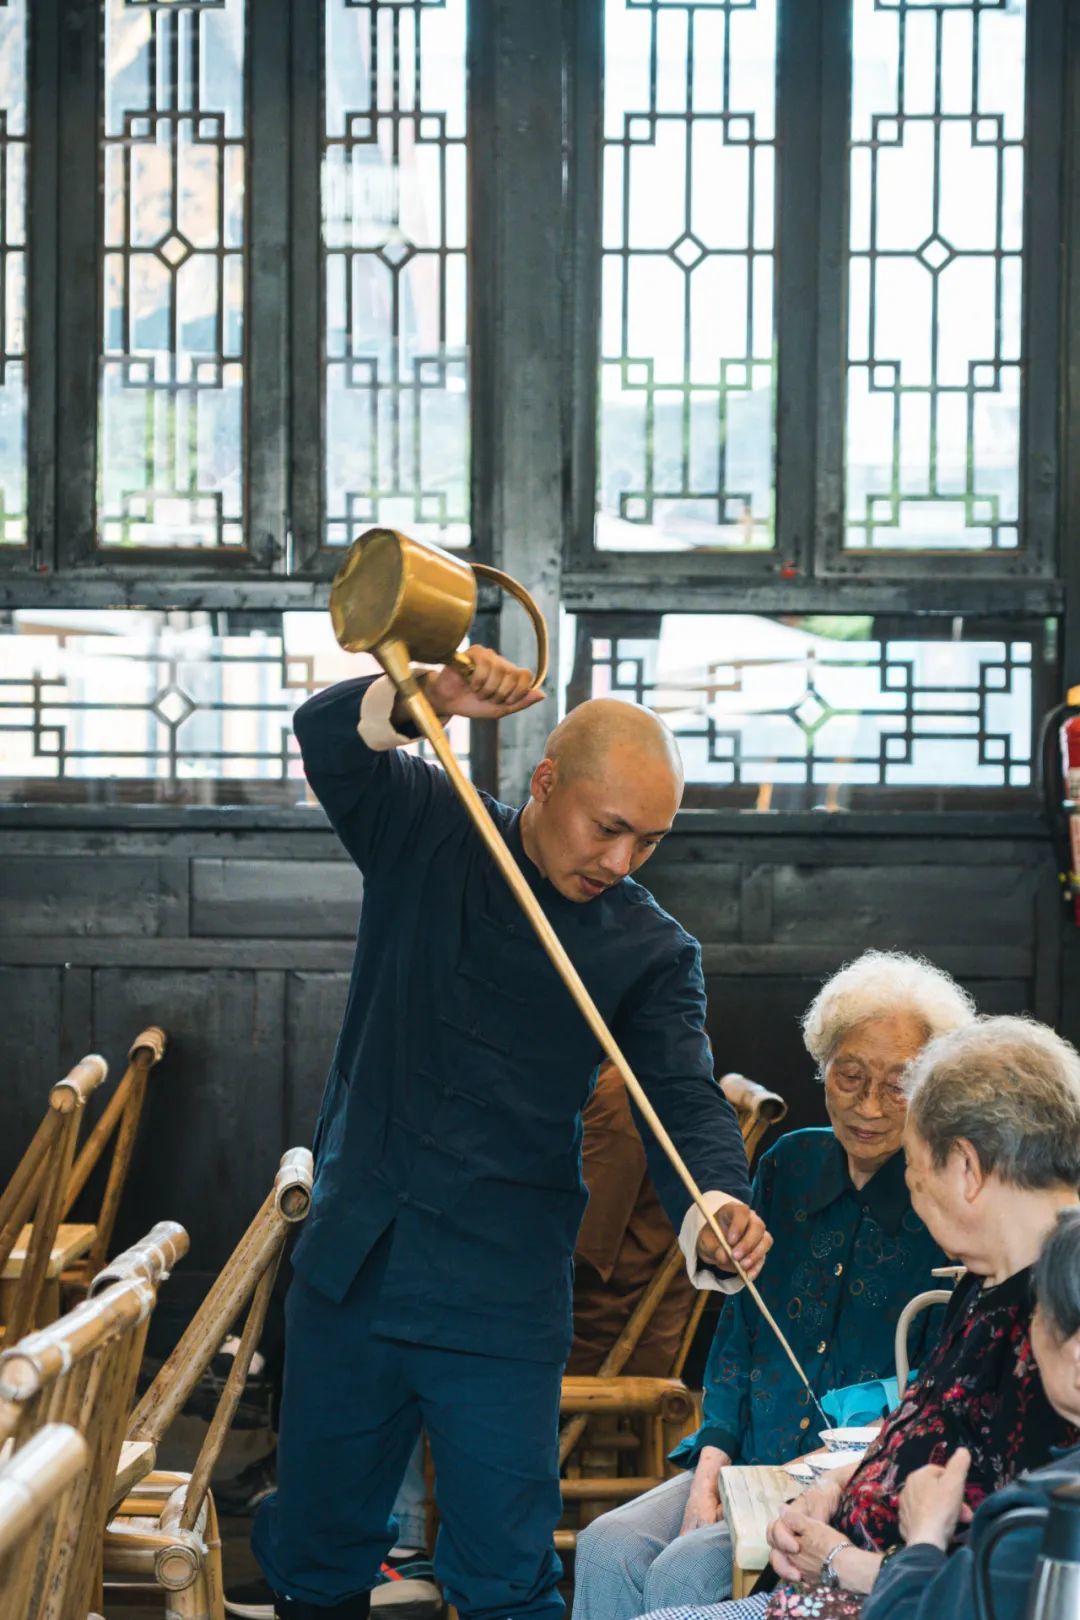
x,y
848,1254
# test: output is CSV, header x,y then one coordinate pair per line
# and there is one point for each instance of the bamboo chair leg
x,y
46,1221
18,1197
215,1575
118,1171
230,1396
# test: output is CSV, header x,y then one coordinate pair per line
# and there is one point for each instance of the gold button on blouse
x,y
804,1423
821,1347
839,1272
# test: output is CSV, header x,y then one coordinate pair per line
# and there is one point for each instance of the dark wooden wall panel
x,y
59,895
903,907
31,1053
280,899
212,1123
314,1004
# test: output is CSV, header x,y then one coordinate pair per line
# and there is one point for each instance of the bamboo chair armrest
x,y
668,1398
151,1039
293,1184
35,1476
748,1097
78,1084
921,1302
152,1258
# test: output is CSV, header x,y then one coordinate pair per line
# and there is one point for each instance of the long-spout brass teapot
x,y
392,590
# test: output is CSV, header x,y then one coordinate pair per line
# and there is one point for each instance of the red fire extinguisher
x,y
1069,737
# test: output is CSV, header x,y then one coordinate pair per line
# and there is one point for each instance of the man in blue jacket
x,y
433,1275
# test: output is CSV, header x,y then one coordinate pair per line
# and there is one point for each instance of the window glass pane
x,y
13,129
394,210
687,374
171,708
800,713
934,275
171,444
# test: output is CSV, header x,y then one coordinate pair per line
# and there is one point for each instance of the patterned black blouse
x,y
980,1388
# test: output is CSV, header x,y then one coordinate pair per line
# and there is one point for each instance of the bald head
x,y
605,793
603,733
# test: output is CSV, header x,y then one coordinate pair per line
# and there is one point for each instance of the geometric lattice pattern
x,y
13,160
935,274
755,701
165,705
687,400
171,435
394,207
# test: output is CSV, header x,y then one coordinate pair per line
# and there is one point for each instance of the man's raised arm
x,y
351,738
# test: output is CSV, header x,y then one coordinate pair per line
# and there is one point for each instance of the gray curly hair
x,y
877,984
1010,1087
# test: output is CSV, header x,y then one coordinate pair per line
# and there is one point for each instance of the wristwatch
x,y
830,1580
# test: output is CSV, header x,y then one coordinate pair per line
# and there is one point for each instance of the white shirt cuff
x,y
376,731
701,1275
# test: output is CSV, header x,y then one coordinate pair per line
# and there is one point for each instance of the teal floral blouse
x,y
843,1265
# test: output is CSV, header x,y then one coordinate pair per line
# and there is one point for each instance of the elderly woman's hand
x,y
822,1499
800,1544
932,1501
703,1505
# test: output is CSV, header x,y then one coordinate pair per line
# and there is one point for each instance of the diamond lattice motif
x,y
174,249
935,253
811,711
688,250
396,252
172,705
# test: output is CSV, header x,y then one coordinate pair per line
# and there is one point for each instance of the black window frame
x,y
535,122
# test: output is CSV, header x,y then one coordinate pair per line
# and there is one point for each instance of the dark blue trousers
x,y
352,1407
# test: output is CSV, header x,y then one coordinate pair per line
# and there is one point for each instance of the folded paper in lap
x,y
752,1499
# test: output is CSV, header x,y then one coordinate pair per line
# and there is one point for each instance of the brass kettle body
x,y
395,590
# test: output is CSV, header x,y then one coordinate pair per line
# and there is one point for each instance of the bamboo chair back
x,y
166,1530
36,1193
120,1118
662,1409
80,1372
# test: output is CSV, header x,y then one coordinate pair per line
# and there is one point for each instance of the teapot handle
x,y
462,661
1020,1518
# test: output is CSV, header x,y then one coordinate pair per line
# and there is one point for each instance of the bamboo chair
x,y
165,1531
79,1371
120,1118
35,1197
648,1416
33,1478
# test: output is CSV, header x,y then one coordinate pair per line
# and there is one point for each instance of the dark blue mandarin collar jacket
x,y
452,1109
